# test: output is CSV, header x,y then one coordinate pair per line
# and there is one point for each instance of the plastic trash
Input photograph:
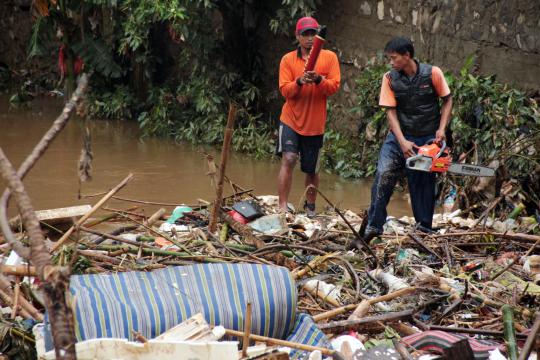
x,y
178,213
248,209
315,355
329,291
274,224
394,283
237,217
168,227
449,200
353,343
162,242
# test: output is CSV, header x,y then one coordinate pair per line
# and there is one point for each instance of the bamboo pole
x,y
5,287
117,238
16,294
224,157
280,342
18,270
509,332
247,330
8,299
345,325
81,221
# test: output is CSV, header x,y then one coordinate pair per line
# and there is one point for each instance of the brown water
x,y
164,171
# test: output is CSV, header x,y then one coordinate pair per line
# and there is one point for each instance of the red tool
x,y
434,158
318,42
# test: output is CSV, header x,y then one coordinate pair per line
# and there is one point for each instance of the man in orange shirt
x,y
410,93
303,117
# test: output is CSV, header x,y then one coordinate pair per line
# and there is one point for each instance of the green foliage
x,y
494,121
141,15
198,112
41,38
289,12
161,118
98,57
372,125
340,155
118,104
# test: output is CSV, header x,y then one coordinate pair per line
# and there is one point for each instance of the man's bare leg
x,y
288,161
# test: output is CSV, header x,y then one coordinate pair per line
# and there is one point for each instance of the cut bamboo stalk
x,y
247,330
99,256
345,325
313,264
320,294
280,342
16,294
107,217
155,217
223,164
7,299
117,238
509,332
81,221
5,287
18,270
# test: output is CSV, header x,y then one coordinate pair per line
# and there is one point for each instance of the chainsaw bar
x,y
473,170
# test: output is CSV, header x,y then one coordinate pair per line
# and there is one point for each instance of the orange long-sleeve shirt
x,y
305,106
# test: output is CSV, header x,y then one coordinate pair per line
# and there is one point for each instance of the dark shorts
x,y
307,147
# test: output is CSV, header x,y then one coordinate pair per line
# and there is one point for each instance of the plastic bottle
x,y
449,200
178,213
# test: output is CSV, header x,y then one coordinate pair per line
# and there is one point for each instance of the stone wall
x,y
503,35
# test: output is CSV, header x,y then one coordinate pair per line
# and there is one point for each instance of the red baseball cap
x,y
306,23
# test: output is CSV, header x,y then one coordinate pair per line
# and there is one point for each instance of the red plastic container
x,y
237,217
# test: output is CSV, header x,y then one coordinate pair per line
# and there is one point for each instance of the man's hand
x,y
408,148
311,77
440,136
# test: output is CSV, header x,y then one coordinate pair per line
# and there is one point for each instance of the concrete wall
x,y
504,35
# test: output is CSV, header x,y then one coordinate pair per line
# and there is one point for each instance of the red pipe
x,y
315,49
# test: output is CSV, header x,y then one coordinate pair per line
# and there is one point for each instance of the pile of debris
x,y
472,287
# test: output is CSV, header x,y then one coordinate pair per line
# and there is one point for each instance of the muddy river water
x,y
164,171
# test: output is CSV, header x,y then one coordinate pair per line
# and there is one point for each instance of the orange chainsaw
x,y
434,158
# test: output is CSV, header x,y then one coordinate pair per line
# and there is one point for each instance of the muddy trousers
x,y
390,167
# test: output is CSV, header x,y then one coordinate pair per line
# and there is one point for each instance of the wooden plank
x,y
55,216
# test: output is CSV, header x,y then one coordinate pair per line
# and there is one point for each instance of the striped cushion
x,y
306,332
112,305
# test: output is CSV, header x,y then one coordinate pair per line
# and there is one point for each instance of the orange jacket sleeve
x,y
330,84
439,82
387,97
287,82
